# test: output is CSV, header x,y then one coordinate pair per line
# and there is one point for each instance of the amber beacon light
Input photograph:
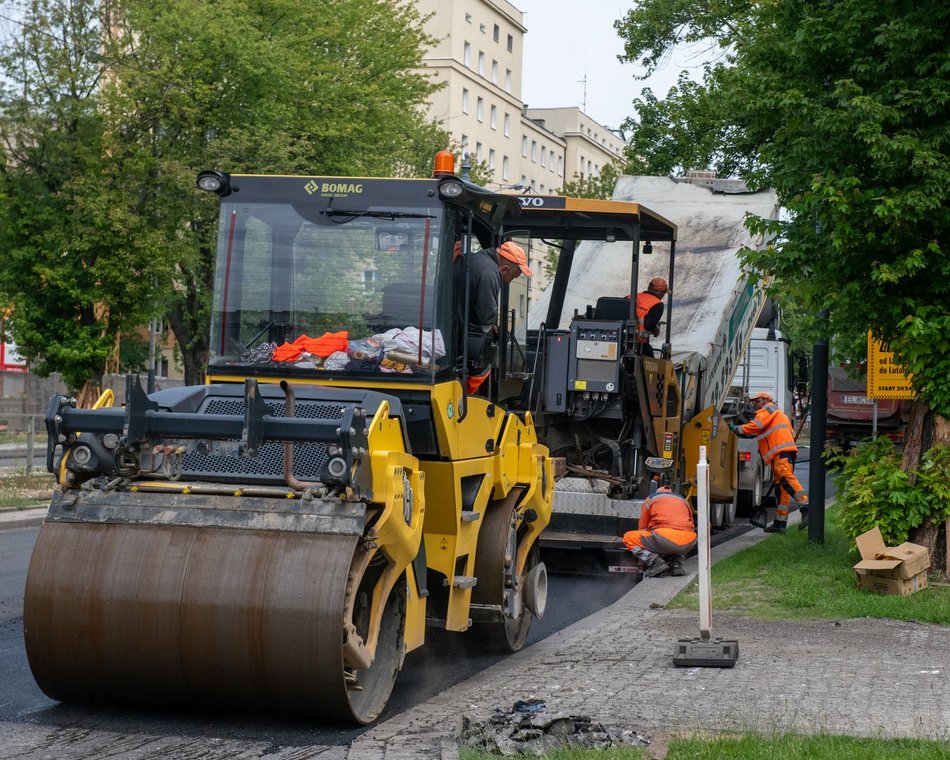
x,y
444,164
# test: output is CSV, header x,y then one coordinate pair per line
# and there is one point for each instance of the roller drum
x,y
172,614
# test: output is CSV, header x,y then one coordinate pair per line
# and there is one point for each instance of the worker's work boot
x,y
656,566
777,526
676,567
804,522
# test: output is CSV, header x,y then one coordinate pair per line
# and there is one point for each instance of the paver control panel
x,y
595,357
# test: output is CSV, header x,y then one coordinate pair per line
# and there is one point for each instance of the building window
x,y
370,278
524,147
493,118
504,168
511,43
544,156
464,142
534,150
496,33
467,55
524,183
481,28
481,64
541,189
464,100
478,151
560,164
468,18
491,159
507,80
480,109
507,125
494,72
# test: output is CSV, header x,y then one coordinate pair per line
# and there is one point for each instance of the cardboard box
x,y
877,584
899,570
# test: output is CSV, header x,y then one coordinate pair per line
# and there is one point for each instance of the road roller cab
x,y
280,537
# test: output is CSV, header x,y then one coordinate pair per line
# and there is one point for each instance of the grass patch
x,y
754,746
785,577
795,747
21,491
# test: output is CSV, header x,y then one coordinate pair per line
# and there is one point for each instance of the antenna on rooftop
x,y
584,99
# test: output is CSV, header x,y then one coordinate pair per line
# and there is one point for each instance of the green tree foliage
x,y
600,186
876,491
146,95
60,270
842,108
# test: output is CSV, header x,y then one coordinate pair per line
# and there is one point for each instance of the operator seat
x,y
612,308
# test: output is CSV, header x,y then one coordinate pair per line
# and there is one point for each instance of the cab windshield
x,y
341,290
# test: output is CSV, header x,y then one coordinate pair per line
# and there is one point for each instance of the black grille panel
x,y
224,462
305,409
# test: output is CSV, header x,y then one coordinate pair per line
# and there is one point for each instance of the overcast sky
x,y
568,39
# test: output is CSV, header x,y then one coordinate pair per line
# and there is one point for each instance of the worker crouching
x,y
666,533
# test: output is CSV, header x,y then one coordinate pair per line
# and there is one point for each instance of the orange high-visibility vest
x,y
666,509
773,432
645,302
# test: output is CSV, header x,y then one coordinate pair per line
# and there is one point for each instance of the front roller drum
x,y
163,614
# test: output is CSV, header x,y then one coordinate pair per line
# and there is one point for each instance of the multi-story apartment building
x,y
479,58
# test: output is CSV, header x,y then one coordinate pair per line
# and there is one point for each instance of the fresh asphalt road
x,y
445,659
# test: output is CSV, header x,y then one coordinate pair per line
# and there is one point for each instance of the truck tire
x,y
749,499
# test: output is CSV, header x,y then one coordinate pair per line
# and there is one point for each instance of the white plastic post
x,y
702,529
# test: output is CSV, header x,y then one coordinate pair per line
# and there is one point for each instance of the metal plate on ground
x,y
705,653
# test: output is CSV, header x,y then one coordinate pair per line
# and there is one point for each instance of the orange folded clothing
x,y
326,344
288,352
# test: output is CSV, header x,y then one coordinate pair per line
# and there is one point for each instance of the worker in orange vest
x,y
649,313
773,432
665,528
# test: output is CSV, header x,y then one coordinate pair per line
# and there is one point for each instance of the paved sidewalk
x,y
857,677
22,518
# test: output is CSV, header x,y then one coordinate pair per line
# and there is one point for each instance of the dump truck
x,y
601,405
281,536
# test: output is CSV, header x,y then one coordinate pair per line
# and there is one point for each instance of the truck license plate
x,y
857,400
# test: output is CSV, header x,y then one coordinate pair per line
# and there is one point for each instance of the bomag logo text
x,y
333,188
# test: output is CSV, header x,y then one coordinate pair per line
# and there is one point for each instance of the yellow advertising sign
x,y
886,380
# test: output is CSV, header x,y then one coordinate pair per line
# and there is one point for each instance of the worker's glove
x,y
734,427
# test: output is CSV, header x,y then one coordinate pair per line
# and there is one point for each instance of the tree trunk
x,y
193,346
924,430
914,438
190,314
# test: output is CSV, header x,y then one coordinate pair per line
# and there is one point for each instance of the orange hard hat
x,y
514,252
658,284
763,395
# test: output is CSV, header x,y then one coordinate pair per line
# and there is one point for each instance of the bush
x,y
874,490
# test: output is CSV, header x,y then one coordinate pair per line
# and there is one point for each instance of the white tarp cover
x,y
706,280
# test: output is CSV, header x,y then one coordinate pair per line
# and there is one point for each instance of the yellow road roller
x,y
278,538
